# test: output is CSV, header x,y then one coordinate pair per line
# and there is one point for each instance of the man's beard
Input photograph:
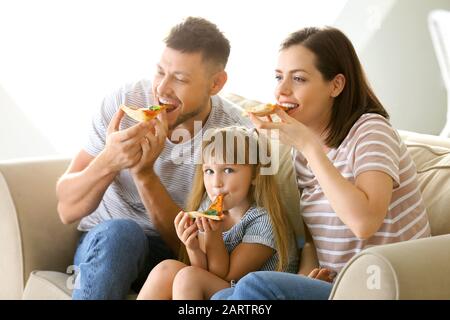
x,y
185,117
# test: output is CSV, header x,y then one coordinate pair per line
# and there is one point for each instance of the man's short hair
x,y
199,35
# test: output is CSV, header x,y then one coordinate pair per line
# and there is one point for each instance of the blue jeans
x,y
271,285
114,257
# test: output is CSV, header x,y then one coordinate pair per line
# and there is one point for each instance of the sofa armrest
x,y
415,269
31,234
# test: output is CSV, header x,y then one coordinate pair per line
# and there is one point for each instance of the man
x,y
125,185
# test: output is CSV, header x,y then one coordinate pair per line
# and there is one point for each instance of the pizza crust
x,y
142,114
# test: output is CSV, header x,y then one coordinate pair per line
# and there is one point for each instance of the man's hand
x,y
123,148
323,274
151,145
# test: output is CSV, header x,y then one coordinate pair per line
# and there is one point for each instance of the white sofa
x,y
36,248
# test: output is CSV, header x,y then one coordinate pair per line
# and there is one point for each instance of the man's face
x,y
182,81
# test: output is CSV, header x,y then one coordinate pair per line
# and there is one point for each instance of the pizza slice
x,y
143,114
263,109
214,212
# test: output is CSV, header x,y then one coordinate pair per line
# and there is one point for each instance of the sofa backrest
x,y
431,155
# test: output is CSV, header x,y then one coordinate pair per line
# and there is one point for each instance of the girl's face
x,y
301,84
231,180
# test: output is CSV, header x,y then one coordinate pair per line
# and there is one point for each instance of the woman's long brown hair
x,y
335,55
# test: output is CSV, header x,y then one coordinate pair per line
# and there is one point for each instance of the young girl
x,y
254,233
357,181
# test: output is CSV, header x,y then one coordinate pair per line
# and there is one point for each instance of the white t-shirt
x,y
121,199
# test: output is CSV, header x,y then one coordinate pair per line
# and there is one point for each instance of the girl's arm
x,y
197,257
245,258
187,232
217,256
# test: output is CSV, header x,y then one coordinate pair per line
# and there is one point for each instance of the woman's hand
x,y
323,274
187,231
290,131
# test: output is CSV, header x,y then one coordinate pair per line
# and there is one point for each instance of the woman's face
x,y
300,84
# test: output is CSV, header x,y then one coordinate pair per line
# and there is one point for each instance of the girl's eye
x,y
228,170
208,171
278,77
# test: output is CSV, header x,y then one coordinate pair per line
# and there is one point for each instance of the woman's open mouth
x,y
289,107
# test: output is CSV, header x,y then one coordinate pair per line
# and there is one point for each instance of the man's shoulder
x,y
228,112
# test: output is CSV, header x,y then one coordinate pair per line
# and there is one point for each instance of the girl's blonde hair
x,y
238,145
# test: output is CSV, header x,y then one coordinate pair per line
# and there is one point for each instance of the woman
x,y
357,181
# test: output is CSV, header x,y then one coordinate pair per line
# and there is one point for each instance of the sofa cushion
x,y
47,285
50,285
433,171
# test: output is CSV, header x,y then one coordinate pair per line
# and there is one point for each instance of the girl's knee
x,y
186,277
168,266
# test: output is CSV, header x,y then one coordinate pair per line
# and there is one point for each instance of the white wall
x,y
18,135
61,57
394,44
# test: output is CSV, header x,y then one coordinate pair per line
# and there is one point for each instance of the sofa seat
x,y
37,248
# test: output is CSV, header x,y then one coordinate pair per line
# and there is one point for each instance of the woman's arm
x,y
361,206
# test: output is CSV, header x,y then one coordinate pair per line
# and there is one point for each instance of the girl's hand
x,y
187,231
290,131
323,274
209,226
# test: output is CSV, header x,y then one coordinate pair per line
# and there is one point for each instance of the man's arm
x,y
160,206
81,188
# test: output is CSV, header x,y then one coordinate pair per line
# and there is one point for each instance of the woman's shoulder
x,y
370,123
371,119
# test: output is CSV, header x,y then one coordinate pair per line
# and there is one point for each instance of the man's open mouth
x,y
170,104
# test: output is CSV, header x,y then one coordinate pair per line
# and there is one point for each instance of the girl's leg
x,y
160,280
266,285
193,283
